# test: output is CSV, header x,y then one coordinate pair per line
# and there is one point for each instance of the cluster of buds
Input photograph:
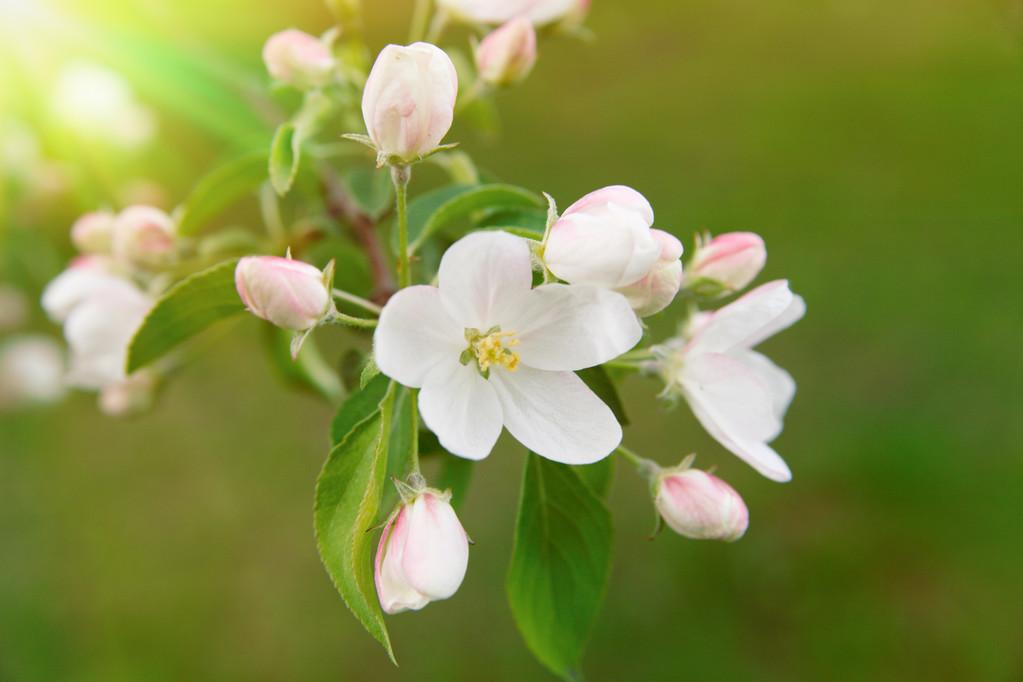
x,y
140,237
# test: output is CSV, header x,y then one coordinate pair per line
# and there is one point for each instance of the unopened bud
x,y
507,55
701,506
658,288
423,554
144,236
94,232
290,294
298,59
727,263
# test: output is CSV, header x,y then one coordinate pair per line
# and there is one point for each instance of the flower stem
x,y
351,321
647,468
420,18
358,301
414,409
623,364
400,177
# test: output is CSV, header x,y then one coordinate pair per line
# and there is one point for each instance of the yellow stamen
x,y
493,348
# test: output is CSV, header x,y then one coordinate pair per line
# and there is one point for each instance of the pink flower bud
x,y
94,232
409,100
290,294
701,506
507,54
729,260
422,555
658,288
144,236
604,239
298,59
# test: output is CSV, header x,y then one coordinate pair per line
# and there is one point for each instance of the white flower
x,y
488,350
31,371
422,555
409,100
99,330
540,12
85,277
738,394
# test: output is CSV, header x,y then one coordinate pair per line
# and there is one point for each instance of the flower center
x,y
492,347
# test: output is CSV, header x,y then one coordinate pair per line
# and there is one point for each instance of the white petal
x,y
483,274
619,195
73,286
563,327
414,335
609,247
556,415
460,406
779,383
747,320
437,551
393,590
736,408
99,331
792,314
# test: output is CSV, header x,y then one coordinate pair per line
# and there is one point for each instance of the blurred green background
x,y
876,145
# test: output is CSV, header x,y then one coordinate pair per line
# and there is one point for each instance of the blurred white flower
x,y
31,371
97,103
540,12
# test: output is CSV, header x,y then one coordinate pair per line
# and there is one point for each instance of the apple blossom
x,y
657,289
507,54
144,236
737,394
699,505
84,278
289,293
604,239
99,330
31,371
422,555
488,350
298,59
94,232
728,262
409,100
539,12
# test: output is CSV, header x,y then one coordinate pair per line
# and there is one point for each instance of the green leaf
x,y
219,189
359,405
347,502
598,476
600,383
458,210
560,564
285,154
371,189
310,371
455,474
189,307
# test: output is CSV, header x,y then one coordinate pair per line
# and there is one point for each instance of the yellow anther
x,y
493,348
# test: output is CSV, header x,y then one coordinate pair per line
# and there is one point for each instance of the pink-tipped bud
x,y
701,506
144,236
290,294
94,232
729,261
507,55
409,100
298,59
422,555
658,288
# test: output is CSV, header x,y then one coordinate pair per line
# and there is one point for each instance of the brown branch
x,y
341,207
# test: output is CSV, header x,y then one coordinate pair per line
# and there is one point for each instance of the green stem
x,y
351,321
620,364
420,18
647,468
400,177
413,395
358,301
637,354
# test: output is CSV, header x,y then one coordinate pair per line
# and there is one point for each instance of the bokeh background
x,y
876,144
